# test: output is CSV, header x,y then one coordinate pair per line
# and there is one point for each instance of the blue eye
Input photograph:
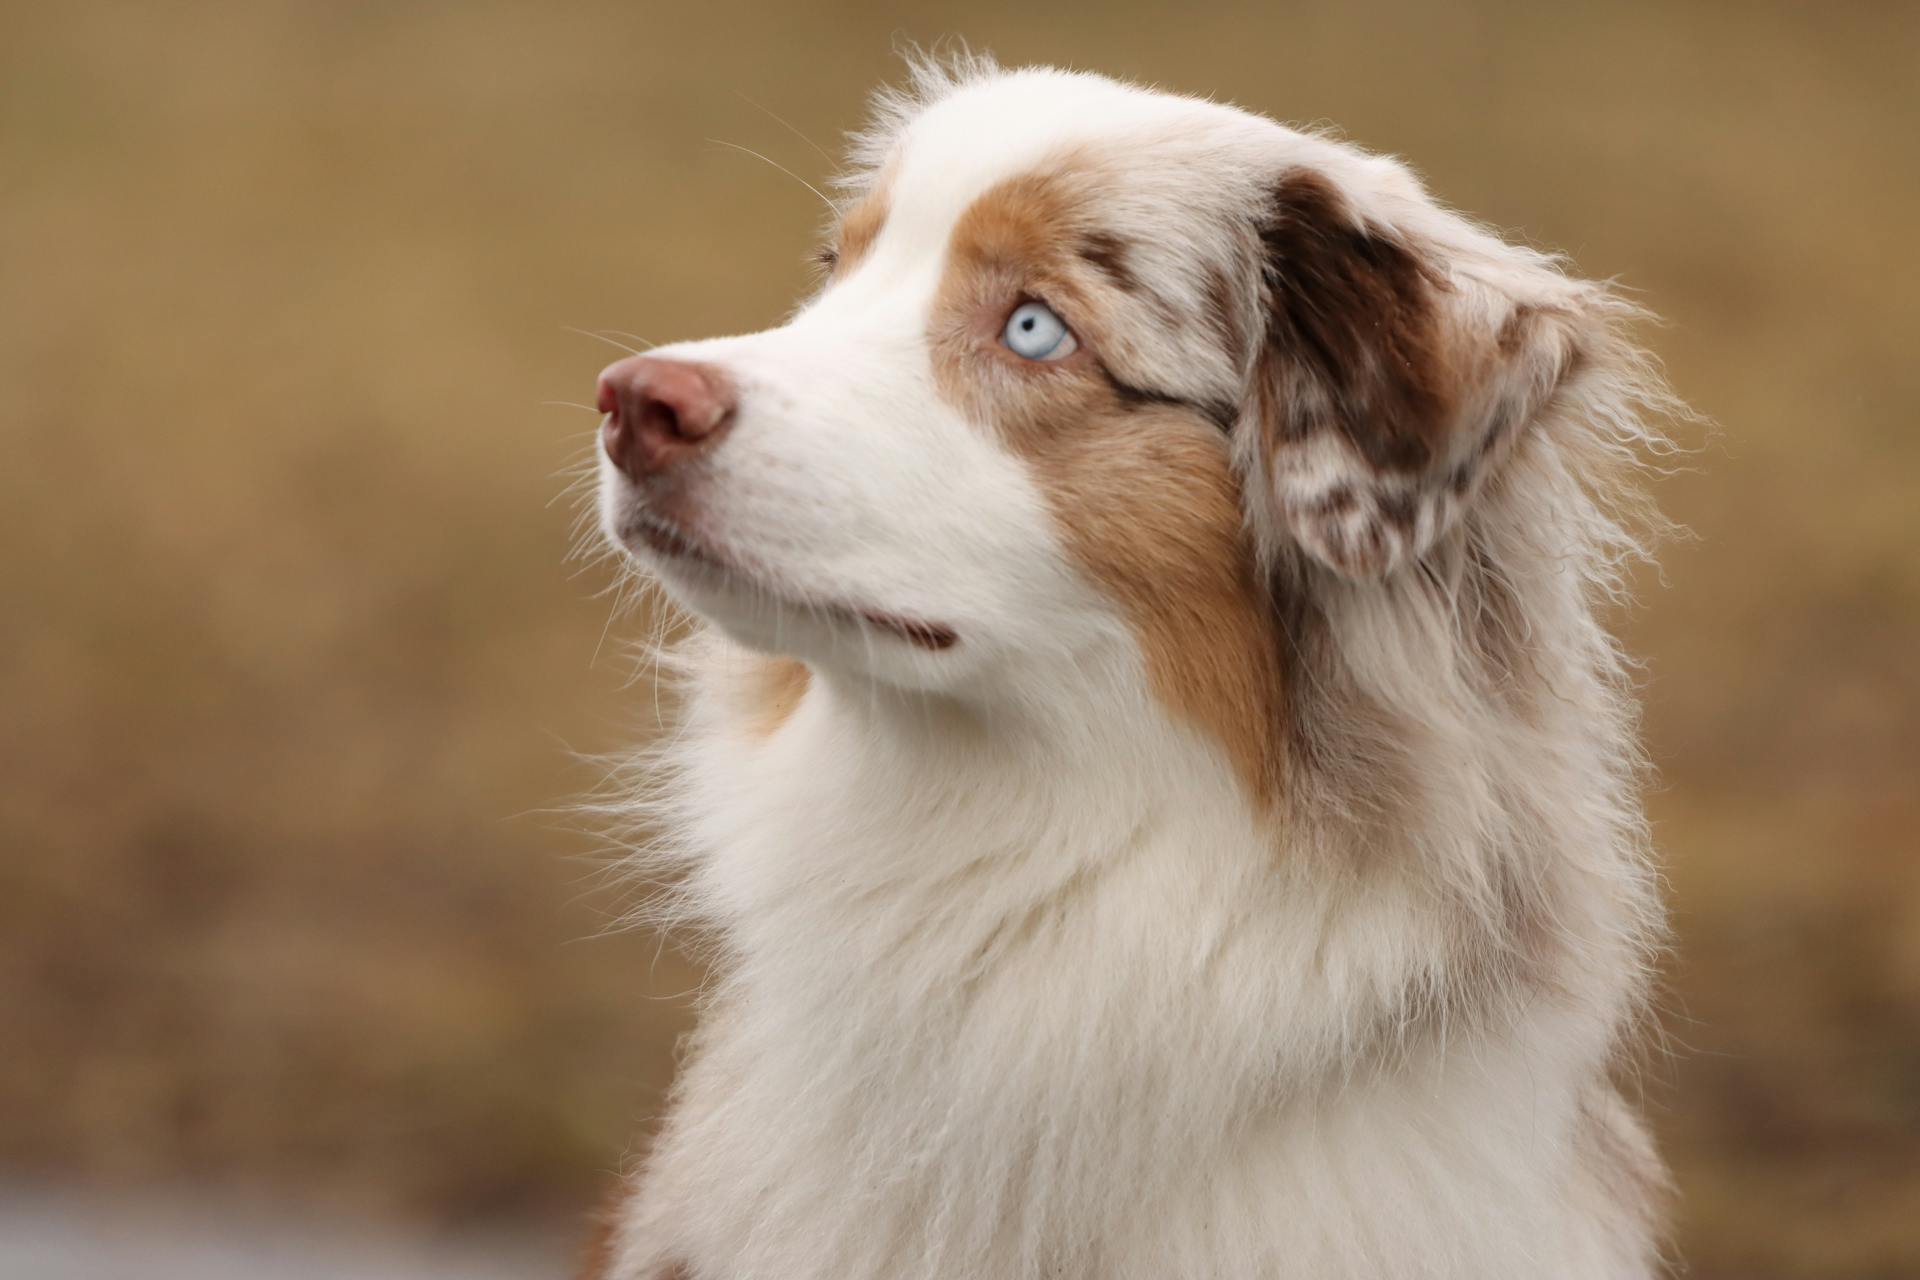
x,y
1033,332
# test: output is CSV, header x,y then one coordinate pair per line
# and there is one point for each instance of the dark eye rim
x,y
1221,414
1034,299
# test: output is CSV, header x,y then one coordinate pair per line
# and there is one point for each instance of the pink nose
x,y
661,412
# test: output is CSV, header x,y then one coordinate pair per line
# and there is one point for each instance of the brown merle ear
x,y
1388,389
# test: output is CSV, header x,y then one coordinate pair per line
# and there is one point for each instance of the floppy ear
x,y
1391,385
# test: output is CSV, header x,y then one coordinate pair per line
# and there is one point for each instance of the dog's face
x,y
1089,362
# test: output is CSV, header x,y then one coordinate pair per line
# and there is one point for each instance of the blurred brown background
x,y
291,665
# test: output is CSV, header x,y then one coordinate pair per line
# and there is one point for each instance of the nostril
x,y
659,413
658,416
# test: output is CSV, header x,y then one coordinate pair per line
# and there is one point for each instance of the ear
x,y
1392,383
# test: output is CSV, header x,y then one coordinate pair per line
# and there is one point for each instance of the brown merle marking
x,y
1514,329
1110,253
1337,501
1354,310
1398,510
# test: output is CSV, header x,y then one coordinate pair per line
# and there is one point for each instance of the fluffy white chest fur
x,y
995,1005
1161,807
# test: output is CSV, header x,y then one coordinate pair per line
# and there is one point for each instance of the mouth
x,y
676,544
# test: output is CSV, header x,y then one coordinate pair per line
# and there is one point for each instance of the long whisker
x,y
602,337
631,337
776,164
785,125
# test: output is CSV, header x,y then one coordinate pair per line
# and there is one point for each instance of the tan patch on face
x,y
1143,491
859,227
1013,244
1151,511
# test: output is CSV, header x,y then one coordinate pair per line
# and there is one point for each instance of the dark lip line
x,y
670,539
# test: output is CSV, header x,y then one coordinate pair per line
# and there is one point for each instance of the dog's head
x,y
1090,363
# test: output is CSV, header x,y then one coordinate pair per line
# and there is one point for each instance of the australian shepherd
x,y
1160,795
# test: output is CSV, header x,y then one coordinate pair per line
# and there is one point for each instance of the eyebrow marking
x,y
1220,413
1108,252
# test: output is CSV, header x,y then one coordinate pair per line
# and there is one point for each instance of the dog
x,y
1158,792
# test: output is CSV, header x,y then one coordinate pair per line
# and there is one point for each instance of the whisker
x,y
602,337
617,609
786,125
776,164
577,488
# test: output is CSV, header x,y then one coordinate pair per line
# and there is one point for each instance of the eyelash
x,y
826,258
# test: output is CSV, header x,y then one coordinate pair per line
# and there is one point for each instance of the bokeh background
x,y
293,670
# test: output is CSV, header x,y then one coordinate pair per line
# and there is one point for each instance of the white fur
x,y
1012,976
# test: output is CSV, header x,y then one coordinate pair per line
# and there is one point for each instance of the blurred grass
x,y
288,652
